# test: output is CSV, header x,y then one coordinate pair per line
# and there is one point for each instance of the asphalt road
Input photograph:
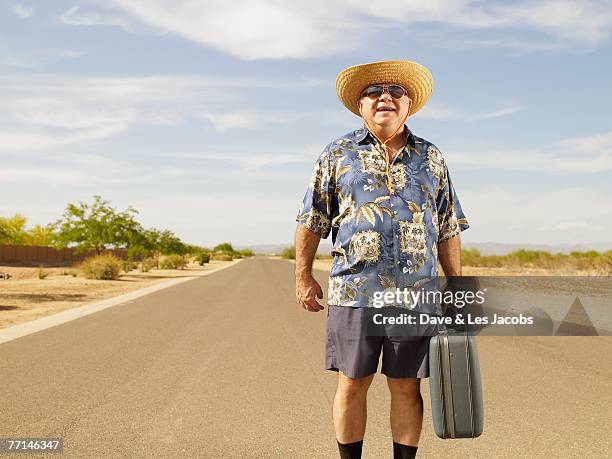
x,y
229,366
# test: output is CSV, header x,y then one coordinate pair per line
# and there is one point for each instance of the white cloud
x,y
441,112
36,58
248,161
75,17
22,11
576,226
590,144
583,21
270,29
251,29
588,21
592,154
516,215
205,219
83,170
41,111
501,112
37,139
251,119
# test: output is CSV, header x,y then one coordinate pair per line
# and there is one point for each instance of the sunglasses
x,y
376,90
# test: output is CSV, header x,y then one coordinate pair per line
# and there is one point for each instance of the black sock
x,y
404,451
350,450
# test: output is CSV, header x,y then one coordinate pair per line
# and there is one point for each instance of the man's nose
x,y
385,95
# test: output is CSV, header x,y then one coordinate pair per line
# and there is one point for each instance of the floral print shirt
x,y
381,240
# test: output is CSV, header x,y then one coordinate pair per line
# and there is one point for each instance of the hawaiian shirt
x,y
381,240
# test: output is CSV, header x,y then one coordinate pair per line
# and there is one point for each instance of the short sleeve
x,y
319,206
451,220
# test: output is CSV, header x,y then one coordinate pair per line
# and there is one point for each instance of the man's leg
x,y
406,410
350,408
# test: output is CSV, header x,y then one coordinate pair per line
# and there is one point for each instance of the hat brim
x,y
413,77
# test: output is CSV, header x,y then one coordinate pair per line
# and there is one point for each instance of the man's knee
x,y
408,388
353,387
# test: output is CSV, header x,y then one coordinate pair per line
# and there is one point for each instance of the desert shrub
x,y
581,261
222,257
128,265
288,253
148,264
202,258
42,274
174,261
101,267
247,253
470,257
604,263
535,258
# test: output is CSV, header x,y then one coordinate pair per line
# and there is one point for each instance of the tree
x,y
224,247
40,235
153,242
97,226
12,230
168,244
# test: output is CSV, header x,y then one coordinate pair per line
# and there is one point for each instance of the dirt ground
x,y
25,297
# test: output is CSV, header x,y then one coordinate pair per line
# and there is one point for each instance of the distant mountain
x,y
486,248
324,247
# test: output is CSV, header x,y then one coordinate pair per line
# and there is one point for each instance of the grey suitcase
x,y
455,386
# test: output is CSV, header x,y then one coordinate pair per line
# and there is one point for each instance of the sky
x,y
207,116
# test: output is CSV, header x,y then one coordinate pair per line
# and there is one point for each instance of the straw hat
x,y
413,77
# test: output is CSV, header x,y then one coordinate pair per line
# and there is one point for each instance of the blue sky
x,y
208,116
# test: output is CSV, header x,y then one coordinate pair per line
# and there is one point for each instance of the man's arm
x,y
307,289
449,254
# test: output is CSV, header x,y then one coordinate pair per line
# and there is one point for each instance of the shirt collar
x,y
362,133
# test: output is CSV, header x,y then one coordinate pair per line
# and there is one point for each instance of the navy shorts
x,y
349,348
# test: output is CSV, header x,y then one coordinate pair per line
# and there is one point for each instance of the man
x,y
386,197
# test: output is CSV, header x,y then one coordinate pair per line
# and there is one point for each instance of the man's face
x,y
384,110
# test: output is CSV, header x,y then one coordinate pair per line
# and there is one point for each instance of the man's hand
x,y
307,290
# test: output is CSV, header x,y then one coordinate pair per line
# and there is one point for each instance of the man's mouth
x,y
385,109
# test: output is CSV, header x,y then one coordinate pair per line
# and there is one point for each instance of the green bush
x,y
128,265
174,261
470,257
288,253
42,274
222,257
247,253
581,261
202,258
101,267
148,264
224,247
